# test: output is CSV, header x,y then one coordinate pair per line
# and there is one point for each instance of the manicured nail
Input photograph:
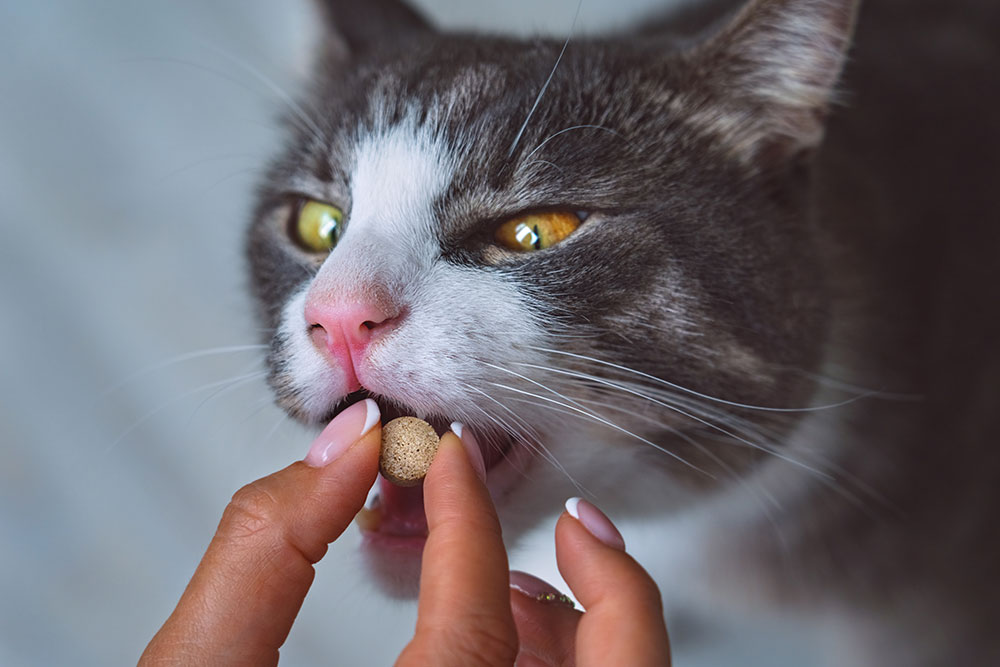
x,y
538,589
471,448
346,429
596,522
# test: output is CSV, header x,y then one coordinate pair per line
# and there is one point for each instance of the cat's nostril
x,y
368,324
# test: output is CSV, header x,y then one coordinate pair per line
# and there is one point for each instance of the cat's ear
x,y
771,73
371,24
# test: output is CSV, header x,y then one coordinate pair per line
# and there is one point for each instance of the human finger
x,y
245,594
464,615
623,623
546,622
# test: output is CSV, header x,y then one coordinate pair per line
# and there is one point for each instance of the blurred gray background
x,y
131,399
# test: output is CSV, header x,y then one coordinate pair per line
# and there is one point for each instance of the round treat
x,y
408,447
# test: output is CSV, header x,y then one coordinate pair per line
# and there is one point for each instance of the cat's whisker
x,y
769,437
770,450
230,176
282,420
299,115
545,86
707,397
506,426
280,92
548,334
204,161
534,382
172,361
528,430
259,406
163,406
759,493
836,477
546,163
606,422
849,388
576,127
222,391
530,437
833,476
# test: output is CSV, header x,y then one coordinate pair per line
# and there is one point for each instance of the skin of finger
x,y
623,623
546,631
245,594
464,615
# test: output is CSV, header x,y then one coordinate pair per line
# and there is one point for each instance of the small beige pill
x,y
408,447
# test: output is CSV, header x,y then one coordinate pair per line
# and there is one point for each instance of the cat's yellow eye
x,y
317,227
536,231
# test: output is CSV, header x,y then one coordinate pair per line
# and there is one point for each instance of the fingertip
x,y
373,416
472,449
623,603
594,569
596,522
464,588
352,425
453,488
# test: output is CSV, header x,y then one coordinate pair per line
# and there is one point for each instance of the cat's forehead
x,y
499,127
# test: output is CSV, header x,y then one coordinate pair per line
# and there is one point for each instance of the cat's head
x,y
592,256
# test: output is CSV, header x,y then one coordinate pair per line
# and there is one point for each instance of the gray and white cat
x,y
655,269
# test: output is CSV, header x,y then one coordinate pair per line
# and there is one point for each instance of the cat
x,y
732,275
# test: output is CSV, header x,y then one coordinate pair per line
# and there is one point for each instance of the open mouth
x,y
393,518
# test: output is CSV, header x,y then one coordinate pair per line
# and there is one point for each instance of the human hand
x,y
473,612
244,596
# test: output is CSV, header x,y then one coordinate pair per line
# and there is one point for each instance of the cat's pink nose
x,y
344,331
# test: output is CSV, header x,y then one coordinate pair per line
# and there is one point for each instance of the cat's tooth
x,y
371,502
368,520
370,516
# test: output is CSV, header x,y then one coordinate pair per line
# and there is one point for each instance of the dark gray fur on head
x,y
756,221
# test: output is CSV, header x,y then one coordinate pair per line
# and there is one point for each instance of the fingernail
x,y
343,432
471,448
596,522
538,589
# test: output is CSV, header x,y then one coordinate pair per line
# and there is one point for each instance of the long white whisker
x,y
722,464
714,399
545,86
753,430
770,450
568,129
534,382
834,480
531,438
146,417
188,356
297,109
607,423
207,160
222,391
274,429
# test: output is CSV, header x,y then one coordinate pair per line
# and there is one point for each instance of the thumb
x,y
245,594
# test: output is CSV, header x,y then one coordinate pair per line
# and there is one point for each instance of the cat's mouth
x,y
393,518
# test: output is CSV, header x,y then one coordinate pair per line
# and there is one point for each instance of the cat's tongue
x,y
397,514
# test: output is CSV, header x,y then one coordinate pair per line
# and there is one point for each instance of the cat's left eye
x,y
537,231
317,226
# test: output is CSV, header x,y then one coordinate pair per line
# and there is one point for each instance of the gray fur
x,y
733,251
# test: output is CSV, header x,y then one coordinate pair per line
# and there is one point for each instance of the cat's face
x,y
668,271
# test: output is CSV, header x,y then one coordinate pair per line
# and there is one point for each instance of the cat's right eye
x,y
316,227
